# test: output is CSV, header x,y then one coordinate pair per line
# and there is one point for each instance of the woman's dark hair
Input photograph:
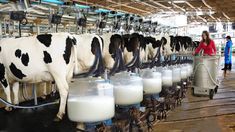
x,y
228,37
207,40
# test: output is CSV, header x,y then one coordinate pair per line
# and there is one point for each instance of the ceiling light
x,y
199,13
179,1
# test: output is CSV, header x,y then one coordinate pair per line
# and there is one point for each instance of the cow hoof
x,y
57,119
80,127
44,97
8,108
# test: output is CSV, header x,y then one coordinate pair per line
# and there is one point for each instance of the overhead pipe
x,y
208,6
212,17
225,16
202,19
190,5
179,7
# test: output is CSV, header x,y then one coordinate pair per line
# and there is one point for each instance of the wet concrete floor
x,y
200,114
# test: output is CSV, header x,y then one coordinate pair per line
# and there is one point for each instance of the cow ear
x,y
95,45
122,44
111,45
74,41
163,40
157,44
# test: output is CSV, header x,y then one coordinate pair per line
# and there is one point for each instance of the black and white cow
x,y
130,45
89,54
113,52
177,44
153,47
41,58
88,48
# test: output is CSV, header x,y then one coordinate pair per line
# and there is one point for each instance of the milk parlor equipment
x,y
168,91
91,103
152,83
205,75
128,93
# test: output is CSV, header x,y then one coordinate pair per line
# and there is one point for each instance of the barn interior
x,y
187,105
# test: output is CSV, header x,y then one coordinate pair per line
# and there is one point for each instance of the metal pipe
x,y
38,29
1,29
204,2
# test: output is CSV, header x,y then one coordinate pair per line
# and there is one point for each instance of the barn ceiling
x,y
209,10
196,10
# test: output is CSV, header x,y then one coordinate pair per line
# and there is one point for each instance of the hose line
x,y
27,107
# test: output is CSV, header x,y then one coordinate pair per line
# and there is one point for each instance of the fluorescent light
x,y
199,13
179,1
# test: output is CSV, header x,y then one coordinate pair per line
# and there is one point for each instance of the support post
x,y
35,95
1,29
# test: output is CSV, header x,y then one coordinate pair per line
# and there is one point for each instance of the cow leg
x,y
44,86
5,84
63,91
7,91
15,89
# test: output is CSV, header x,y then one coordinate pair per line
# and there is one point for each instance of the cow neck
x,y
96,69
119,64
157,55
135,62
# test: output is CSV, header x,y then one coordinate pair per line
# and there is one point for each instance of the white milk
x,y
190,70
184,72
167,78
90,108
152,85
128,94
176,74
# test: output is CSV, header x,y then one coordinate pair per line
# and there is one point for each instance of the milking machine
x,y
152,82
128,93
91,103
167,90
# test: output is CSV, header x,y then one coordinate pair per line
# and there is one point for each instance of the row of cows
x,y
61,56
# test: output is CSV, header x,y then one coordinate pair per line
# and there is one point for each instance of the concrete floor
x,y
199,114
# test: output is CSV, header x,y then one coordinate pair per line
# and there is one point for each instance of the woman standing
x,y
207,45
228,55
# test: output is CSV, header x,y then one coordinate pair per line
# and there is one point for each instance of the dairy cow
x,y
40,58
113,52
154,46
134,49
87,50
177,44
89,54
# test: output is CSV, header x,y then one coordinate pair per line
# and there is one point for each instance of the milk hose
x,y
27,107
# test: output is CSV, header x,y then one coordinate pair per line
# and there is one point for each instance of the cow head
x,y
166,45
116,42
116,48
134,42
95,45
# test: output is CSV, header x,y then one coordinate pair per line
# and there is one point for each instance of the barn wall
x,y
29,90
